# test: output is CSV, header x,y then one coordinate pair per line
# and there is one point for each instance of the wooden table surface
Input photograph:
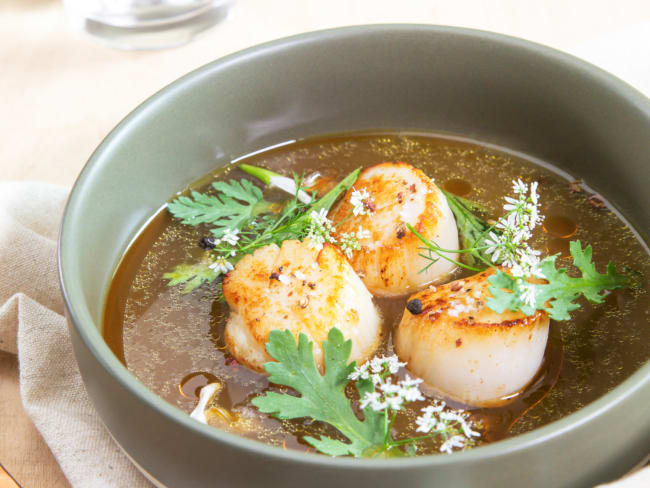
x,y
61,93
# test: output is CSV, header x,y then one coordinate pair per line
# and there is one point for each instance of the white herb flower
x,y
389,388
460,419
373,400
230,236
394,402
509,246
363,233
221,265
390,364
360,372
408,381
387,395
317,240
519,187
349,244
513,204
494,243
319,218
456,441
320,228
452,424
528,295
409,389
428,421
357,200
533,192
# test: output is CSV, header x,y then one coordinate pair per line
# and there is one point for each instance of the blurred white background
x,y
62,92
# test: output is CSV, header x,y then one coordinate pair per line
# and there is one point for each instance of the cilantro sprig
x,y
242,221
505,244
322,397
236,204
558,295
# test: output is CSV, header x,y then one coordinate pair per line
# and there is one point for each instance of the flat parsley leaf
x,y
236,205
322,397
557,296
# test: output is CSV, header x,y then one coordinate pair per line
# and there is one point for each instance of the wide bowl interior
x,y
488,87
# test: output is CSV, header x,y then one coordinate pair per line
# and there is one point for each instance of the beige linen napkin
x,y
32,325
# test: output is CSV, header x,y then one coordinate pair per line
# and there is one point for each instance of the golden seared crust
x,y
463,349
462,304
302,289
389,260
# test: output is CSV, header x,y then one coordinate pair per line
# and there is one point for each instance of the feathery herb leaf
x,y
558,295
236,204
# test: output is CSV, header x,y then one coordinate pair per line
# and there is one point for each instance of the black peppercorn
x,y
207,243
414,306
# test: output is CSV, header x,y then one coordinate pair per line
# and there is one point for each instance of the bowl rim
x,y
89,332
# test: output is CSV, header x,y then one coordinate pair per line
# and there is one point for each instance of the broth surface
x,y
173,342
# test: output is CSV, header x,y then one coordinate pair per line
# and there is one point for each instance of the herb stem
x,y
443,256
387,438
262,174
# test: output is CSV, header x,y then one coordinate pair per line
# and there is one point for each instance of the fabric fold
x,y
32,325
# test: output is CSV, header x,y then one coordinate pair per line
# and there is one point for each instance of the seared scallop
x,y
466,351
389,260
300,288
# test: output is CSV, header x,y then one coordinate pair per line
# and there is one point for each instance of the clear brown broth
x,y
173,342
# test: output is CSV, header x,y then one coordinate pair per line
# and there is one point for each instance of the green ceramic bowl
x,y
489,87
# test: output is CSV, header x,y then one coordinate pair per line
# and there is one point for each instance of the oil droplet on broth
x,y
558,245
458,187
560,226
191,385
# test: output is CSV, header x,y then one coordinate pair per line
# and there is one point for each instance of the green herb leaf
x,y
331,447
239,206
332,196
192,275
322,397
474,207
471,228
558,295
237,203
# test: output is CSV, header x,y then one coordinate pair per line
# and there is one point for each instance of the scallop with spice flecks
x,y
389,260
465,350
303,289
